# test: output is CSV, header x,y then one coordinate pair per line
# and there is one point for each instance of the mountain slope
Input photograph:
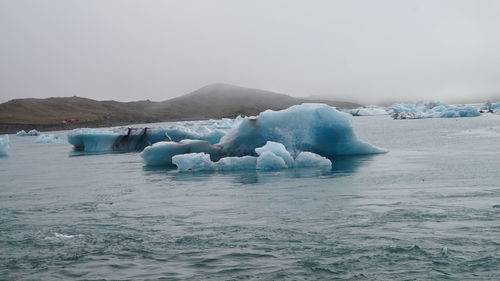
x,y
212,101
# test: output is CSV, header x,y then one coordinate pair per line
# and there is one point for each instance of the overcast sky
x,y
352,50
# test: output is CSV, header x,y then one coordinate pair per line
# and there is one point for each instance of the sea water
x,y
427,210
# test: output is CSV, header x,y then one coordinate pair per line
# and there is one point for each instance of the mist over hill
x,y
212,101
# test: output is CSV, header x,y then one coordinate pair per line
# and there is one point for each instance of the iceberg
x,y
50,138
317,128
495,108
368,110
136,139
4,145
300,136
161,153
432,110
23,133
116,139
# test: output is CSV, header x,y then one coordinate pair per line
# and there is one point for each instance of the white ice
x,y
23,133
267,160
161,153
277,149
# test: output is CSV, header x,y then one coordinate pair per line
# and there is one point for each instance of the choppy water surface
x,y
429,209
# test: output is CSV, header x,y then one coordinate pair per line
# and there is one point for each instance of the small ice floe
x,y
444,251
61,237
50,138
23,133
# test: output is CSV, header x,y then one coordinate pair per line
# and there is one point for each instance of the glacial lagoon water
x,y
427,210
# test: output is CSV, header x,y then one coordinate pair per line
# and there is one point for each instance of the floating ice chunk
x,y
161,153
317,128
368,110
496,108
237,163
270,161
22,133
34,133
193,162
50,138
432,110
116,139
309,159
4,145
267,160
277,149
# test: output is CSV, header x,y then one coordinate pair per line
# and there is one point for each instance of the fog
x,y
367,51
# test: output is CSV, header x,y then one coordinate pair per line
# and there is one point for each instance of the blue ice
x,y
300,136
317,128
136,139
4,145
432,110
271,157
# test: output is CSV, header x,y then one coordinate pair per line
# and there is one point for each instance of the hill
x,y
212,101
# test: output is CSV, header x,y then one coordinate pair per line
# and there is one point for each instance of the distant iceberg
x,y
432,110
23,133
495,107
50,138
276,137
272,156
368,110
4,145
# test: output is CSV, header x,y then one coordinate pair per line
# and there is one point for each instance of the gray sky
x,y
354,50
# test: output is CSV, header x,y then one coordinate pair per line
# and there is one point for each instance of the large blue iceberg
x,y
432,110
4,145
315,128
